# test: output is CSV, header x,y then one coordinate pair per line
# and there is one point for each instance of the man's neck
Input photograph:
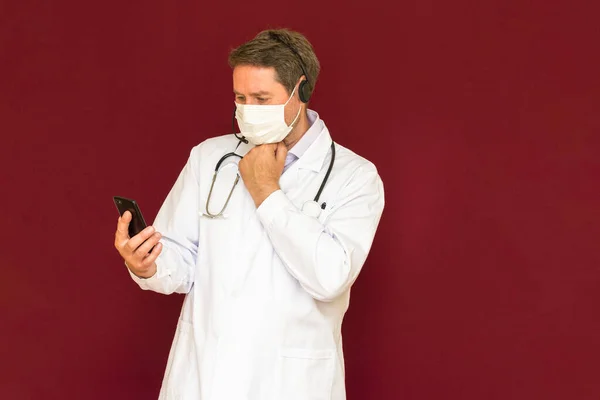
x,y
298,131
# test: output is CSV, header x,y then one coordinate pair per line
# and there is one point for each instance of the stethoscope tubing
x,y
233,154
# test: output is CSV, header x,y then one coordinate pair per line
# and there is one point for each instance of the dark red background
x,y
482,117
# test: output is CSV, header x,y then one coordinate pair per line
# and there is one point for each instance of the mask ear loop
x,y
299,110
291,96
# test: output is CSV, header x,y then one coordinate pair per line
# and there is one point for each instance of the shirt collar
x,y
316,152
316,126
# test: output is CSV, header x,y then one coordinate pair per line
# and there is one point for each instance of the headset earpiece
x,y
304,91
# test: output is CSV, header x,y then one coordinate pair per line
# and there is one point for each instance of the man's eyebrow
x,y
255,94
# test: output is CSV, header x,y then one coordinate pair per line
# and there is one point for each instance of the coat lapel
x,y
299,176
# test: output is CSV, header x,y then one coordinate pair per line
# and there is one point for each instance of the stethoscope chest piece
x,y
311,208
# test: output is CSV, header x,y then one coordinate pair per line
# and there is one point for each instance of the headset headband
x,y
304,91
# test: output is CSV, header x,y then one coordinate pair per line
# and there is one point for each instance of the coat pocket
x,y
305,374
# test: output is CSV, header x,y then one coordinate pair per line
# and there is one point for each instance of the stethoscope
x,y
310,208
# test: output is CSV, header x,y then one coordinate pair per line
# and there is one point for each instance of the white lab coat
x,y
266,289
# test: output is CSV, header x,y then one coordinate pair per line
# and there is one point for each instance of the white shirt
x,y
316,126
266,289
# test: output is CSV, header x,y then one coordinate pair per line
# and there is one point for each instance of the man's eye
x,y
239,99
261,99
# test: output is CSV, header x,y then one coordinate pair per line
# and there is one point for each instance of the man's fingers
x,y
122,233
123,224
140,238
143,250
151,258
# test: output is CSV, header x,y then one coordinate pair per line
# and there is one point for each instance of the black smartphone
x,y
137,223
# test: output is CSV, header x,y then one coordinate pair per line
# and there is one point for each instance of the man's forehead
x,y
255,79
254,74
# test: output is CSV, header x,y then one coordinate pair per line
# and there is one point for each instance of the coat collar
x,y
315,155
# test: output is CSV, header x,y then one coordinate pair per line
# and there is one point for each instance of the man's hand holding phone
x,y
139,252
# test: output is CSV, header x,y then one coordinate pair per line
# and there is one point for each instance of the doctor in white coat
x,y
267,251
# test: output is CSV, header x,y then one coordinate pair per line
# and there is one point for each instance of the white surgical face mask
x,y
262,124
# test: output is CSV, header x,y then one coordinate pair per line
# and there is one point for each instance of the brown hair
x,y
267,49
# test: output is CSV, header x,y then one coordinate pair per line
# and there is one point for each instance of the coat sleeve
x,y
326,257
177,221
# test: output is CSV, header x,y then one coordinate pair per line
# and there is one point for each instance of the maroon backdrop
x,y
482,117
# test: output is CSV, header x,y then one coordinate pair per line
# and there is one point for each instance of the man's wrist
x,y
263,193
148,273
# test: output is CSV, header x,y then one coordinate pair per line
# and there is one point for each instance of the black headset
x,y
304,88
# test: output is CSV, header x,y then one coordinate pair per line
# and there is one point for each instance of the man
x,y
266,265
